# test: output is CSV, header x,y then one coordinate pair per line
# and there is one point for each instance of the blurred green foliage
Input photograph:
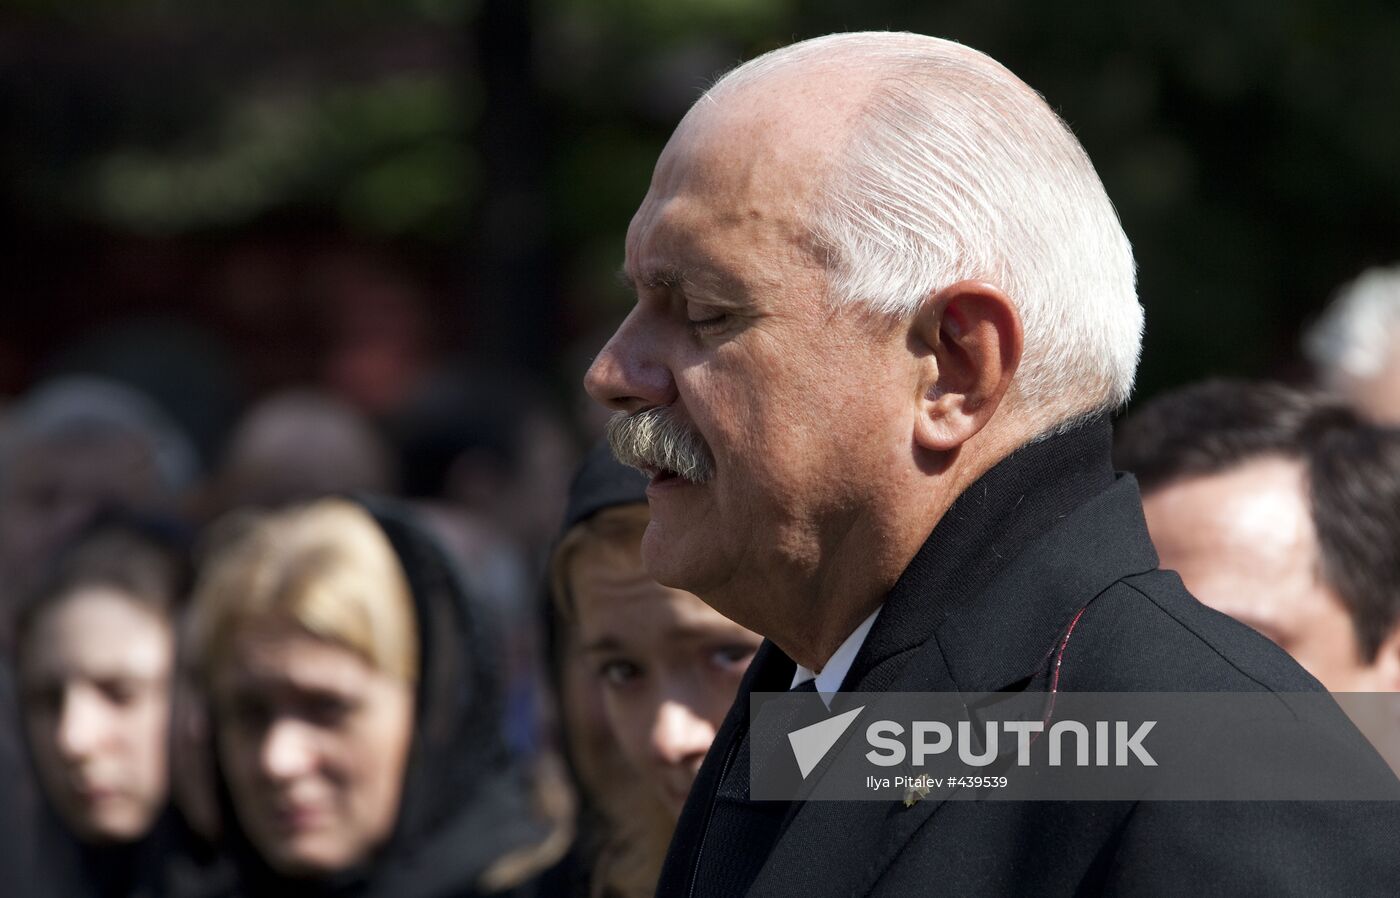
x,y
1250,147
390,156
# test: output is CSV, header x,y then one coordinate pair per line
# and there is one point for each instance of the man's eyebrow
x,y
654,279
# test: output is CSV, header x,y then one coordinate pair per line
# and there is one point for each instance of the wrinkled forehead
x,y
762,152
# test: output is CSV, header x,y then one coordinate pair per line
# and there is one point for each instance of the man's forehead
x,y
740,177
715,264
746,136
695,235
763,140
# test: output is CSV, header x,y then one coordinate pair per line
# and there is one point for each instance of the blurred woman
x,y
356,712
661,666
96,654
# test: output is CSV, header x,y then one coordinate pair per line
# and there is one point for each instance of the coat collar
x,y
985,529
980,608
1008,634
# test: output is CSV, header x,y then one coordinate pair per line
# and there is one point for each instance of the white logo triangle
x,y
811,743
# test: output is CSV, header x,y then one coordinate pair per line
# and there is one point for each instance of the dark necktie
x,y
742,832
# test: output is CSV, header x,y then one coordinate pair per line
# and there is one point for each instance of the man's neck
x,y
832,676
860,567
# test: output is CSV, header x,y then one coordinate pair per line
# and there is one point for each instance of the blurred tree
x,y
498,148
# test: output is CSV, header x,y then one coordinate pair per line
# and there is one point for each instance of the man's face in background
x,y
1245,544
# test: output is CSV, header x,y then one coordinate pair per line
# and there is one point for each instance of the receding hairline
x,y
865,67
837,54
844,73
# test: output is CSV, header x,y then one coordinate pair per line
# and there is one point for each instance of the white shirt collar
x,y
839,664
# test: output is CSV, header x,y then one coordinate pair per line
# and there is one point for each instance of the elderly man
x,y
883,305
1281,510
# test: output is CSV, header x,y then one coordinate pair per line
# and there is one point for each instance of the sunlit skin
x,y
96,677
592,746
313,742
836,436
1243,542
669,665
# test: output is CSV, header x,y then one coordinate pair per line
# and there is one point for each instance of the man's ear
x,y
968,339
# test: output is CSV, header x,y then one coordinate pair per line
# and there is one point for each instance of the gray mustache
x,y
656,439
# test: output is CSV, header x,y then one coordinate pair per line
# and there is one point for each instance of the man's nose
x,y
679,735
630,374
288,750
83,724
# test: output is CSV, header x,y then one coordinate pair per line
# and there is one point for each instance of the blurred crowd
x,y
414,652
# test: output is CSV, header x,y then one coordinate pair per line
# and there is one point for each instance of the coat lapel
x,y
864,836
1003,638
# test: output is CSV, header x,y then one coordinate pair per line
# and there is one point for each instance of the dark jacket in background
x,y
465,803
19,800
1044,535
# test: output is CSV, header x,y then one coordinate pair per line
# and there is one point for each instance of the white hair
x,y
1356,335
955,170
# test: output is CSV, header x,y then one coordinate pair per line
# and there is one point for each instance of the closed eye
x,y
704,320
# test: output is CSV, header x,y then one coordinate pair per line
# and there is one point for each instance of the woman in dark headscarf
x,y
96,653
356,712
645,674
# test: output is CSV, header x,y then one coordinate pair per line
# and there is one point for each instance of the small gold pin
x,y
914,793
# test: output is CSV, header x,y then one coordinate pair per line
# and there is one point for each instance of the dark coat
x,y
1048,540
20,812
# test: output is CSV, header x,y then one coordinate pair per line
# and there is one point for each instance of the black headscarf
x,y
54,861
465,801
602,482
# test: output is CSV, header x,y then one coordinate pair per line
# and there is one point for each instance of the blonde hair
x,y
634,828
326,568
618,528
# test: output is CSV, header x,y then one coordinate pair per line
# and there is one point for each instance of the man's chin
x,y
673,553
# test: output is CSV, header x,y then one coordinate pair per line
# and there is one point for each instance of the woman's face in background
x,y
96,669
669,664
313,742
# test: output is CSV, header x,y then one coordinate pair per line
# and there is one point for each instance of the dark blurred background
x,y
261,252
213,201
